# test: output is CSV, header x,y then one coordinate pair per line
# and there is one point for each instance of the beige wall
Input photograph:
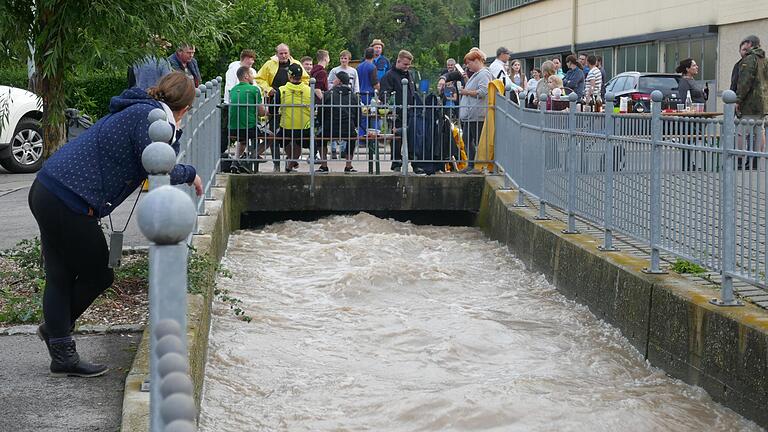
x,y
548,23
729,37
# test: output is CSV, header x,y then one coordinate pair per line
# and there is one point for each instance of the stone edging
x,y
83,329
211,240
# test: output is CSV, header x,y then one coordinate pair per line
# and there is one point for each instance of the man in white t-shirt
x,y
594,81
499,71
344,58
247,57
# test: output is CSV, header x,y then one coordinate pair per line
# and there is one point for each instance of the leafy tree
x,y
67,35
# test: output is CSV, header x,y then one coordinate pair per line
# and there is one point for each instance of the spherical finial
x,y
404,81
158,158
729,97
215,83
198,93
166,216
169,344
157,114
172,362
312,81
160,130
180,426
219,79
167,327
202,88
208,85
176,382
178,406
543,96
657,96
572,97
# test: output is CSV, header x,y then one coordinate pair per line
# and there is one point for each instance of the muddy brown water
x,y
367,324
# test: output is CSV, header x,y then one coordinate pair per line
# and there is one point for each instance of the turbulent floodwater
x,y
364,324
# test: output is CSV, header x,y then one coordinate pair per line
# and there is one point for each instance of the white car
x,y
21,132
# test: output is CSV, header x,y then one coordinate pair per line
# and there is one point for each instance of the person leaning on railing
x,y
473,104
339,120
83,182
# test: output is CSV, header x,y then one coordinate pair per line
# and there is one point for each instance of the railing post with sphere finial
x,y
166,216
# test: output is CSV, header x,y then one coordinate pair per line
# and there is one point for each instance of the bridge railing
x,y
167,217
200,139
691,187
378,132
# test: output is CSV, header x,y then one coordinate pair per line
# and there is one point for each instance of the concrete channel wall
x,y
667,318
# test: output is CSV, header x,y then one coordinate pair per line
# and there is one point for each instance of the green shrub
x,y
14,77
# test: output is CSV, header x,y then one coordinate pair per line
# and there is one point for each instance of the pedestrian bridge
x,y
561,190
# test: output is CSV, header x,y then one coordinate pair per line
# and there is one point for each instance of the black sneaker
x,y
350,170
395,167
323,169
419,172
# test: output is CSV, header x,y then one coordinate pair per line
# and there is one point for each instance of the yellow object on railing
x,y
485,145
456,132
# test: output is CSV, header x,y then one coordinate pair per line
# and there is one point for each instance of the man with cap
x,y
381,62
339,119
499,71
295,97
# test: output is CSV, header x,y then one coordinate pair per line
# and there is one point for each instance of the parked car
x,y
21,134
639,85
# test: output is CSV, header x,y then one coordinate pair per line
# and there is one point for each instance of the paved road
x,y
18,223
32,401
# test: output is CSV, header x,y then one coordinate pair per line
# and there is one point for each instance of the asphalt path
x,y
33,401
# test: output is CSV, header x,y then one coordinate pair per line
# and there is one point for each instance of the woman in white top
x,y
344,58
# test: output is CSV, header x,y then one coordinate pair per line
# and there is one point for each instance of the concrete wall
x,y
548,24
729,37
667,318
339,192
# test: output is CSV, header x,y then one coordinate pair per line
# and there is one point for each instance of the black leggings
x,y
75,256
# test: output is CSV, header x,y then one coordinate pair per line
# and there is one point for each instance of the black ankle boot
x,y
66,362
42,333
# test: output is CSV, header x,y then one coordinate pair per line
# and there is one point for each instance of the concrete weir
x,y
665,317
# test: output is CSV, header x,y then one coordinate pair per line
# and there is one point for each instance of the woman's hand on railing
x,y
198,185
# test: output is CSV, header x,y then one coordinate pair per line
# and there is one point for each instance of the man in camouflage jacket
x,y
752,88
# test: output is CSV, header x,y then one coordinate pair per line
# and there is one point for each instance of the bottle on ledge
x,y
688,101
598,103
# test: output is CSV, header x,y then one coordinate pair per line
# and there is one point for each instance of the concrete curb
x,y
211,240
667,318
84,329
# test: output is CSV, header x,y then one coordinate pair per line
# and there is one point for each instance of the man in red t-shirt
x,y
320,75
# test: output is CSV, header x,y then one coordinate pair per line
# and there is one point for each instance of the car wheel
x,y
26,148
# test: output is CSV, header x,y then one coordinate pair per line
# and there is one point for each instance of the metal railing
x,y
691,187
416,134
199,143
167,217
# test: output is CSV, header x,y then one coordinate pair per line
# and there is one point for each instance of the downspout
x,y
574,22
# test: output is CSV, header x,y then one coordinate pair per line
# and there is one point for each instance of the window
x,y
491,7
640,58
607,55
702,51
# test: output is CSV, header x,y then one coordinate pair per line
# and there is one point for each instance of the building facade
x,y
630,35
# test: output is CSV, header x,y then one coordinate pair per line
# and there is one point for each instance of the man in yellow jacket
x,y
274,73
